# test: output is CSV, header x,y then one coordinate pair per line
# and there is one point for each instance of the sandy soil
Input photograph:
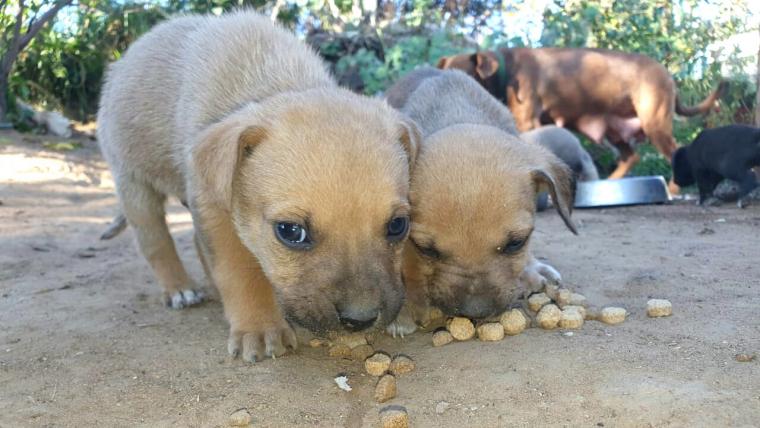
x,y
84,340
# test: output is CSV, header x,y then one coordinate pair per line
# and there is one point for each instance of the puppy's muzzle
x,y
479,307
352,324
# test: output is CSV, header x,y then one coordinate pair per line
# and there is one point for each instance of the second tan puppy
x,y
473,198
298,189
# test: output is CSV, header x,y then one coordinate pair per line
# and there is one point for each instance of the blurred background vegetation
x,y
370,43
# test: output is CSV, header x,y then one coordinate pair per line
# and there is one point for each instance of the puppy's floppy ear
x,y
217,156
557,179
485,64
410,140
442,62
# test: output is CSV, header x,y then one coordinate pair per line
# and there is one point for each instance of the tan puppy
x,y
473,198
298,189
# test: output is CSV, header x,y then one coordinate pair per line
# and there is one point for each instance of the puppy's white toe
x,y
185,298
401,328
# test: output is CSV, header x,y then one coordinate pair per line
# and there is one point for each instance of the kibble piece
x,y
491,332
745,358
461,328
362,352
537,301
592,313
548,317
577,300
580,309
386,388
317,342
240,418
377,364
394,417
442,337
401,364
571,318
612,315
352,340
513,322
659,308
551,291
563,297
340,351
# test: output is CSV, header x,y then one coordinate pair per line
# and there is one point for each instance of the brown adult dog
x,y
473,197
298,189
600,93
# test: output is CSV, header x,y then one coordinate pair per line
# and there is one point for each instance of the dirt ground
x,y
85,341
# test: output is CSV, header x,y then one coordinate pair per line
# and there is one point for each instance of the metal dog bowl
x,y
624,191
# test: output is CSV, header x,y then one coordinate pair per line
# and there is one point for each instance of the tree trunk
x,y
3,98
757,95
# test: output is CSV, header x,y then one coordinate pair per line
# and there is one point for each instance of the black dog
x,y
725,152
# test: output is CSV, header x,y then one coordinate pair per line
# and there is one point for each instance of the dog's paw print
x,y
257,345
184,298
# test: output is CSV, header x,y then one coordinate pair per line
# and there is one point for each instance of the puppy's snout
x,y
353,324
478,307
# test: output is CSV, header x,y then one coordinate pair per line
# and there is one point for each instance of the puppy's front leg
x,y
536,275
257,327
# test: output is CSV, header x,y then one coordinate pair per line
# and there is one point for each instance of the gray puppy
x,y
566,146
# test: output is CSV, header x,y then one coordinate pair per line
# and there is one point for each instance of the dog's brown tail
x,y
117,225
706,105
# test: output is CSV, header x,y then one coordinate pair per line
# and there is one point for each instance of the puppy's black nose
x,y
357,325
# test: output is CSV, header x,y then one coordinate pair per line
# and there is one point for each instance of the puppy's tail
x,y
706,105
117,225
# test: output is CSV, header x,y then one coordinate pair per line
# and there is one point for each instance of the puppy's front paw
x,y
184,298
256,344
536,275
403,324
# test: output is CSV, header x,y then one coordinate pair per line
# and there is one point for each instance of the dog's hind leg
x,y
143,206
747,183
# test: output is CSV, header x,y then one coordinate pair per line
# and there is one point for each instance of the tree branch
x,y
37,25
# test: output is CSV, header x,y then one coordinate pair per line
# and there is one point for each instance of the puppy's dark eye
x,y
513,246
397,228
428,251
292,235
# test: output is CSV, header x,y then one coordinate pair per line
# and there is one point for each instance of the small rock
x,y
362,352
377,364
394,417
612,315
442,337
386,388
659,308
461,328
513,322
240,418
548,317
744,358
571,318
441,407
537,301
401,364
491,332
340,351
